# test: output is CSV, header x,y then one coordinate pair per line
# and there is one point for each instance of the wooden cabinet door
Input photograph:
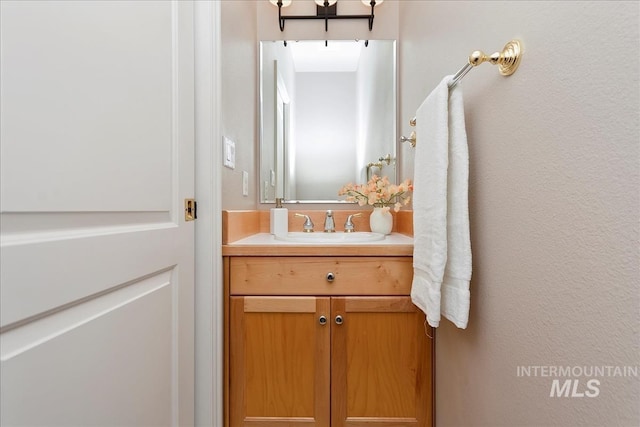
x,y
279,361
381,363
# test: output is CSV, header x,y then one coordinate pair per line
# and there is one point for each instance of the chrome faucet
x,y
349,227
329,223
307,227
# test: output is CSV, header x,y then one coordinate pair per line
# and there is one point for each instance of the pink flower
x,y
378,192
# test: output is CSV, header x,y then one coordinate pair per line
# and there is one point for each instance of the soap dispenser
x,y
279,219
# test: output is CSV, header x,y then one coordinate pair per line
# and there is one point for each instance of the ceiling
x,y
337,56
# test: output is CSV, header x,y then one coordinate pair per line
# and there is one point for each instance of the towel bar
x,y
508,61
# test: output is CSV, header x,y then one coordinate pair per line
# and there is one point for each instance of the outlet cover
x,y
229,153
245,183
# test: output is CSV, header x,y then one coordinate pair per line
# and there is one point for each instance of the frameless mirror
x,y
327,117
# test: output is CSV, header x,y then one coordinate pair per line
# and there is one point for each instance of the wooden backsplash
x,y
240,224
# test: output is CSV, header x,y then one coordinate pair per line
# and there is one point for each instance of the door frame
x,y
208,226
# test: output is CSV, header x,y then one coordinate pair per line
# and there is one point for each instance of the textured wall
x,y
239,57
554,204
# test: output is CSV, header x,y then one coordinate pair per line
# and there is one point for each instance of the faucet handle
x,y
307,227
349,227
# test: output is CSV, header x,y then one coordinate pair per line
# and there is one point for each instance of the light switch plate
x,y
245,183
229,153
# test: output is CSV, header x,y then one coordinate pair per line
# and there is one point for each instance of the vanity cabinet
x,y
326,341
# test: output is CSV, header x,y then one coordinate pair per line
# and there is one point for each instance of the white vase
x,y
381,220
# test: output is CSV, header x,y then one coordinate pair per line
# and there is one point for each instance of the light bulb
x,y
285,3
321,2
368,2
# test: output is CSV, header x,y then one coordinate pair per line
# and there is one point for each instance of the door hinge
x,y
190,209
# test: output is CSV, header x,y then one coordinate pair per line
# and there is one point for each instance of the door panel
x,y
87,106
96,260
47,273
96,354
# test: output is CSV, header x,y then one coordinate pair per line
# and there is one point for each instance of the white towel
x,y
442,246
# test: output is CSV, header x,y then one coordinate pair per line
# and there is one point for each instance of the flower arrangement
x,y
378,192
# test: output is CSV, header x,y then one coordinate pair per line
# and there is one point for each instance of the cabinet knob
x,y
330,277
322,320
339,320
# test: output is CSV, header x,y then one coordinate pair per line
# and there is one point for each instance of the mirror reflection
x,y
327,116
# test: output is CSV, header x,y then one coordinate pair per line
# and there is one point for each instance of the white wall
x,y
239,58
377,96
271,53
325,135
554,205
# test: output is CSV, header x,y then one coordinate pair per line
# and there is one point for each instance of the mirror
x,y
327,117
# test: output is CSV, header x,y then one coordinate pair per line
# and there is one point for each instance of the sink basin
x,y
331,238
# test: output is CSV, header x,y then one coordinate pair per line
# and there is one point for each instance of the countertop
x,y
265,244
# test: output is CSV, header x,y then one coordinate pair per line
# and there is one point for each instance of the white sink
x,y
331,238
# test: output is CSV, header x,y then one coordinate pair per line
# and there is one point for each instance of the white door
x,y
97,154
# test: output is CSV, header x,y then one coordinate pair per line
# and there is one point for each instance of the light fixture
x,y
285,3
326,10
